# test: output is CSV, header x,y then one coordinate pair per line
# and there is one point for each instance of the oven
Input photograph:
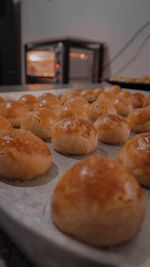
x,y
64,61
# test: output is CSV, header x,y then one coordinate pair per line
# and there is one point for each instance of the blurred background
x,y
119,30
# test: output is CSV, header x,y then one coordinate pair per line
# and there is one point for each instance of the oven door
x,y
81,65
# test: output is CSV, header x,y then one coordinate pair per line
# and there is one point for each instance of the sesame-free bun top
x,y
4,124
72,109
23,155
30,100
40,122
137,100
139,120
122,105
67,96
112,128
52,104
80,102
74,136
88,94
146,101
135,156
99,108
114,89
16,111
98,202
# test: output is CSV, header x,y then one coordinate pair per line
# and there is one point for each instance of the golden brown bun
x,y
139,120
137,100
98,202
124,94
97,109
40,122
88,94
16,112
114,89
70,109
112,128
65,97
80,102
4,124
74,136
52,104
105,96
46,96
135,156
30,100
2,107
146,101
98,91
122,105
23,155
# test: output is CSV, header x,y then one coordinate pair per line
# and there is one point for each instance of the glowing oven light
x,y
57,66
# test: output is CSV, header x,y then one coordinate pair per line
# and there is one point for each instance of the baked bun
x,y
88,94
124,94
98,202
52,104
135,156
122,105
46,96
98,91
23,155
146,101
16,112
97,109
4,124
112,128
2,107
30,100
114,89
137,100
80,102
73,110
139,120
74,136
65,97
40,122
105,96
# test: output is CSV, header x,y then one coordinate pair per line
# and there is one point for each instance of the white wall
x,y
110,21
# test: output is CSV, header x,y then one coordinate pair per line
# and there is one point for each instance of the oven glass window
x,y
40,63
81,65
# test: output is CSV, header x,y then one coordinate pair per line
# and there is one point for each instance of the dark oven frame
x,y
97,47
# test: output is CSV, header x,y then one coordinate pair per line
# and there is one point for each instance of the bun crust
x,y
112,128
30,100
67,96
5,124
88,94
97,109
98,202
122,105
70,109
137,100
23,155
114,89
74,136
40,122
16,112
139,120
135,156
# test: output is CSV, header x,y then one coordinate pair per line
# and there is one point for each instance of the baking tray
x,y
130,85
25,213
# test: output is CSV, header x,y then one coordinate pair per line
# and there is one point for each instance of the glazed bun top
x,y
80,102
71,109
74,126
137,151
5,124
137,100
99,181
146,101
98,91
22,141
88,94
47,96
114,89
68,96
30,100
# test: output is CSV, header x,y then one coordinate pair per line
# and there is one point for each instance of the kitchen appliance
x,y
64,61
